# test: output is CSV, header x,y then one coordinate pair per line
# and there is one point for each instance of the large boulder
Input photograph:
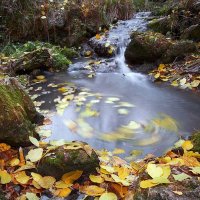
x,y
152,47
178,50
17,114
192,33
65,159
146,47
161,25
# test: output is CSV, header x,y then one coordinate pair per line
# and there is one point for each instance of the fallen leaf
x,y
96,179
70,177
108,196
147,184
92,190
181,177
46,182
34,141
154,171
31,196
187,145
5,177
22,178
35,155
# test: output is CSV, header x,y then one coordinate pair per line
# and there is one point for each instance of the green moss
x,y
60,56
196,141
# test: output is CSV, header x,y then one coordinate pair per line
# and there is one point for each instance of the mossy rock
x,y
178,50
61,161
146,47
196,141
162,25
192,33
18,114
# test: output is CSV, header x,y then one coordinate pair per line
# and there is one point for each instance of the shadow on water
x,y
136,100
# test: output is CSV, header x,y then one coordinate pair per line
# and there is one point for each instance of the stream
x,y
116,108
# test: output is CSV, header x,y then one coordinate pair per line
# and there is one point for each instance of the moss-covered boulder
x,y
161,25
17,114
146,47
196,141
192,33
178,50
63,160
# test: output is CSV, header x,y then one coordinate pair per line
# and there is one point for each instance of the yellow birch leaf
x,y
70,177
154,171
96,179
108,196
98,36
5,177
36,177
147,184
35,155
14,162
64,192
47,182
62,185
123,172
92,190
34,141
118,151
36,185
187,145
22,178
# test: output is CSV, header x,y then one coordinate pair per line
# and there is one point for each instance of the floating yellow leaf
x,y
187,145
35,155
118,151
22,178
96,179
70,177
147,184
92,190
47,182
108,196
154,171
5,177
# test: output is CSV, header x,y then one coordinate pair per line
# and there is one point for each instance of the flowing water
x,y
112,100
